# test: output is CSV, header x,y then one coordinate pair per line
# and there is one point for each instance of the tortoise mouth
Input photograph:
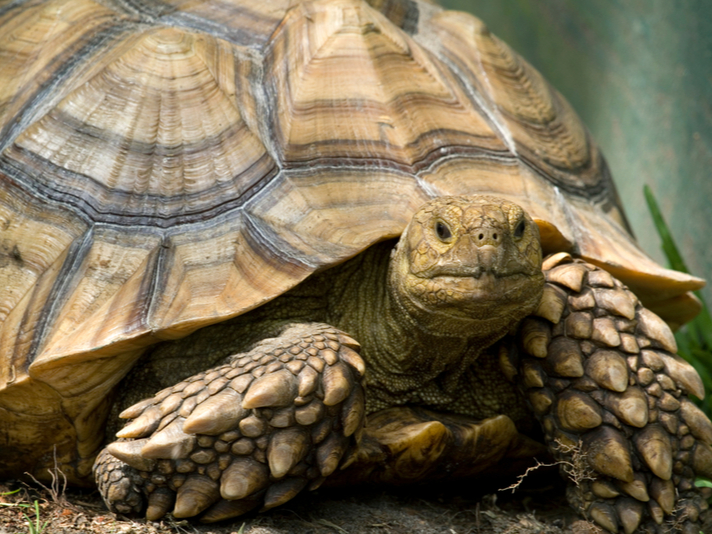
x,y
471,273
475,276
488,268
483,284
478,288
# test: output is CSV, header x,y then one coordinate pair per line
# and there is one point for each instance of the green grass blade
x,y
668,244
695,340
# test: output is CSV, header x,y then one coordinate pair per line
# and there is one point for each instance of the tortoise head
x,y
468,266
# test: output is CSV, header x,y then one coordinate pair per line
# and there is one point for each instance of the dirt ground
x,y
455,509
437,510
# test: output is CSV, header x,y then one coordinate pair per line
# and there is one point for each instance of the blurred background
x,y
639,73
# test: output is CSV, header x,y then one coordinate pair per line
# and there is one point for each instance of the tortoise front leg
x,y
603,378
251,433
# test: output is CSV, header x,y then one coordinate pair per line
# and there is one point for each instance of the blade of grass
x,y
668,244
703,322
695,341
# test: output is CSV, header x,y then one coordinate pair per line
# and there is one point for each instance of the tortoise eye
x,y
443,231
519,230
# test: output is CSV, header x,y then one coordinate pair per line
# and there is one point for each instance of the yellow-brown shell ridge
x,y
165,166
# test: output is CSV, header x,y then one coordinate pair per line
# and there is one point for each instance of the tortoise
x,y
203,198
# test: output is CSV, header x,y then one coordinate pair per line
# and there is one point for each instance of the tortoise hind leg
x,y
250,433
603,378
407,444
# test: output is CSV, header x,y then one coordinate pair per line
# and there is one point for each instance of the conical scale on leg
x,y
132,412
130,452
604,489
579,325
565,358
242,382
654,446
560,258
243,477
353,358
582,301
552,303
218,414
630,514
606,450
271,390
605,332
656,512
337,383
353,412
170,404
605,516
702,460
535,335
654,328
143,425
600,278
349,342
615,301
631,406
308,380
577,411
699,423
684,375
329,454
286,449
570,275
171,442
541,400
609,370
160,502
282,491
663,491
310,413
636,488
195,495
224,509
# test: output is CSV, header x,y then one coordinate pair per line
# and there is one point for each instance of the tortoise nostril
x,y
486,236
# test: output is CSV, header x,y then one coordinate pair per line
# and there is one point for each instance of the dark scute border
x,y
33,181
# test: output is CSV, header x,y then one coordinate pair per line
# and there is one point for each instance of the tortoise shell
x,y
169,166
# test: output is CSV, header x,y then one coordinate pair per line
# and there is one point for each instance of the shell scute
x,y
368,109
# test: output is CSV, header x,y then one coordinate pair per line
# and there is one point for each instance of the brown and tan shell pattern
x,y
165,165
